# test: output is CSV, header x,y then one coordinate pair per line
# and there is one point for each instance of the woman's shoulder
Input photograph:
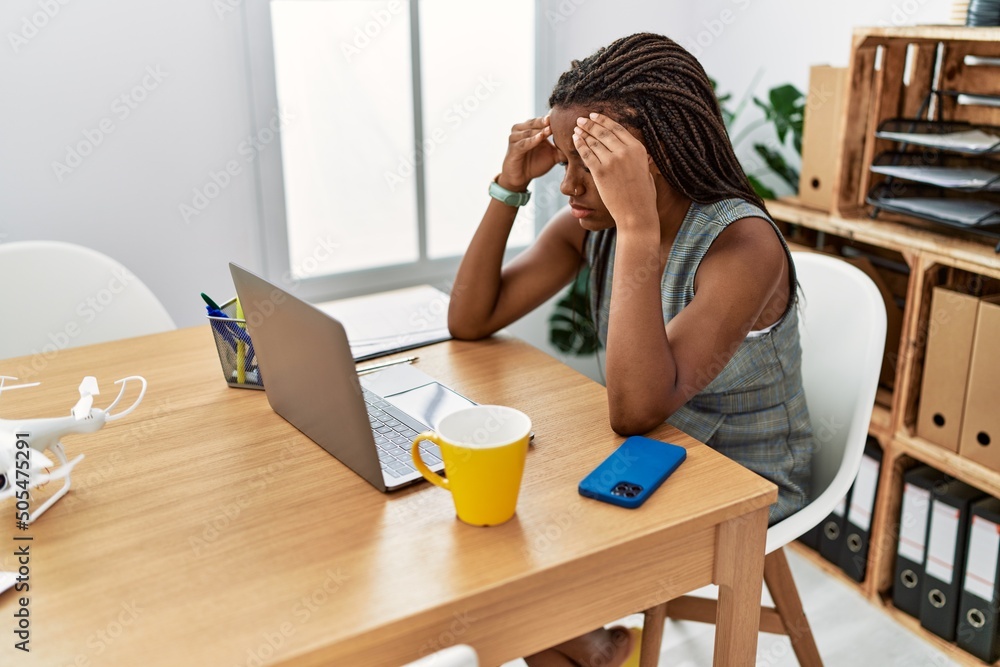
x,y
727,211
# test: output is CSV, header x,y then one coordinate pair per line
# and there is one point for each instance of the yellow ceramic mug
x,y
483,448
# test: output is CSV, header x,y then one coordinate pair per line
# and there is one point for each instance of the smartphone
x,y
632,472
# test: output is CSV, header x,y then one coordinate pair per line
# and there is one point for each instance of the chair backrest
x,y
57,295
842,324
459,655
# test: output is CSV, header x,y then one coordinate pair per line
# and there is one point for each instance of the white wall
x,y
123,197
65,67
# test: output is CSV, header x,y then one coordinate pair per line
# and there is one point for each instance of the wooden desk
x,y
205,530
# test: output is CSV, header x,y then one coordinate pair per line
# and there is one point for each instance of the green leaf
x,y
571,326
727,116
761,189
785,109
776,162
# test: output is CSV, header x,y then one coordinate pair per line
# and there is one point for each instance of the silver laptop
x,y
310,379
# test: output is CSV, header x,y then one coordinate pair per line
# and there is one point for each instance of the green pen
x,y
211,304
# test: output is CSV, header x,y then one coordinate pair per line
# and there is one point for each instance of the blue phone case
x,y
632,472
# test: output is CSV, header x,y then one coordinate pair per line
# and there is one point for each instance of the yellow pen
x,y
241,348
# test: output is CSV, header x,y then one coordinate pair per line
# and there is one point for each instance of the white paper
x,y
389,321
945,177
7,580
913,523
863,496
979,100
981,566
841,507
970,140
969,212
941,541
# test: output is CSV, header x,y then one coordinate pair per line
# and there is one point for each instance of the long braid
x,y
650,83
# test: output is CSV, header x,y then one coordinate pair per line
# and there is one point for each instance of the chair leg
x,y
652,635
778,578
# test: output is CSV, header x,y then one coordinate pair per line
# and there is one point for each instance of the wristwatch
x,y
502,194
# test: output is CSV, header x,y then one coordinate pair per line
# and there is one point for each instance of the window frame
x,y
272,224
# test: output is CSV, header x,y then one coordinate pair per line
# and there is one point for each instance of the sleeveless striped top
x,y
754,410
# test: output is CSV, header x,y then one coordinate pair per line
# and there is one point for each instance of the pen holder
x,y
235,349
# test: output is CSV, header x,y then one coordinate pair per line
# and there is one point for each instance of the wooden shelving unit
x,y
934,57
932,258
893,73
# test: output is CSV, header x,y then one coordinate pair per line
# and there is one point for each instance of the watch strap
x,y
508,197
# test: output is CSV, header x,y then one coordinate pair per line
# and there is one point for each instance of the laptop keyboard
x,y
394,439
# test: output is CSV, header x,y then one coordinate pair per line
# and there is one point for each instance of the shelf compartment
x,y
941,170
913,625
956,465
977,215
954,136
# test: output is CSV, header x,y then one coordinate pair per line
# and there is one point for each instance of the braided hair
x,y
650,83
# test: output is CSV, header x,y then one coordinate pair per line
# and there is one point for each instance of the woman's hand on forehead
x,y
620,167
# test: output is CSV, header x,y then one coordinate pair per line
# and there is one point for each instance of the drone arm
x,y
124,383
61,473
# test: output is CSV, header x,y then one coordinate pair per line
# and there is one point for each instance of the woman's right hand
x,y
529,154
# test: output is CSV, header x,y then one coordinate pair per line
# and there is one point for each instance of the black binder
x,y
910,551
979,603
945,560
831,534
858,522
810,538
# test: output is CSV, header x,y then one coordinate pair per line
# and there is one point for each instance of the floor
x,y
849,631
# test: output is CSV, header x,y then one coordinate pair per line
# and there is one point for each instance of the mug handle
x,y
428,474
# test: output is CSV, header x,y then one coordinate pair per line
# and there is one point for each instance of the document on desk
x,y
393,321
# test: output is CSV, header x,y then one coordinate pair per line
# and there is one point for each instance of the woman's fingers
x,y
591,151
530,126
532,134
605,130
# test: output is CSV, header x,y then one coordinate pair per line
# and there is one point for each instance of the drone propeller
x,y
14,386
88,388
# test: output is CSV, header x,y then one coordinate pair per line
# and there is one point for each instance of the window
x,y
394,116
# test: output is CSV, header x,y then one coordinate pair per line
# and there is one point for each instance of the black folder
x,y
945,560
857,523
810,538
979,603
910,551
831,534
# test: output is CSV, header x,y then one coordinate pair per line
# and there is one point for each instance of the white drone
x,y
45,434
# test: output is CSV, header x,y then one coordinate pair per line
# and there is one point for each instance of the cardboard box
x,y
980,439
946,366
822,136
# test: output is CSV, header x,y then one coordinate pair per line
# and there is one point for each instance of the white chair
x,y
459,655
842,325
56,295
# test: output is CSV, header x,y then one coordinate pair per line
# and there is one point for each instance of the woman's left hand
x,y
620,167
